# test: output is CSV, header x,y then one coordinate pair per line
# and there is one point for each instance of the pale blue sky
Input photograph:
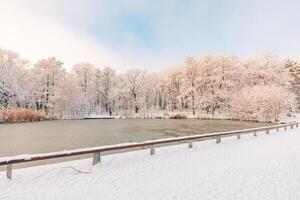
x,y
156,34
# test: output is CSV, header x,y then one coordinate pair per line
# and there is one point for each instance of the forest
x,y
259,88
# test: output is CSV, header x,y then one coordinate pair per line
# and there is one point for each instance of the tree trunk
x,y
193,103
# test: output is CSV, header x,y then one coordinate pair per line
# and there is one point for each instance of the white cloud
x,y
38,29
36,36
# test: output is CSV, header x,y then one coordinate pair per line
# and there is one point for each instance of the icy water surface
x,y
48,136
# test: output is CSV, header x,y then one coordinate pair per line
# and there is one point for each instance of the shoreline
x,y
153,118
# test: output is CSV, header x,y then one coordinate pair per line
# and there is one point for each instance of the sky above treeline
x,y
150,35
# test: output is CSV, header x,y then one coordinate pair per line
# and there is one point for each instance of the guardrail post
x,y
239,136
292,126
218,140
296,125
152,151
190,145
267,131
255,133
9,171
285,127
96,158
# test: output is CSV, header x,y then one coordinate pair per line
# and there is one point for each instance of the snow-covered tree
x,y
247,89
106,83
13,71
293,68
190,75
46,77
132,86
262,103
84,75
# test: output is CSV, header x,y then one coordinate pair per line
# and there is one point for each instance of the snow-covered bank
x,y
185,115
263,167
293,118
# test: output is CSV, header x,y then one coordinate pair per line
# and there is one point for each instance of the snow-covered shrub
x,y
178,116
24,115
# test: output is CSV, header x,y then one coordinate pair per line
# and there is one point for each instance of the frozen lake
x,y
48,136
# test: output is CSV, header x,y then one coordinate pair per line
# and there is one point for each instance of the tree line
x,y
258,88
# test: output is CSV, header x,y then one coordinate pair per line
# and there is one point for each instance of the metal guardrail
x,y
96,151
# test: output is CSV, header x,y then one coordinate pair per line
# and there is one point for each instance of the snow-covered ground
x,y
262,167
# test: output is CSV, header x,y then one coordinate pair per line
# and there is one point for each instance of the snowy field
x,y
262,167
